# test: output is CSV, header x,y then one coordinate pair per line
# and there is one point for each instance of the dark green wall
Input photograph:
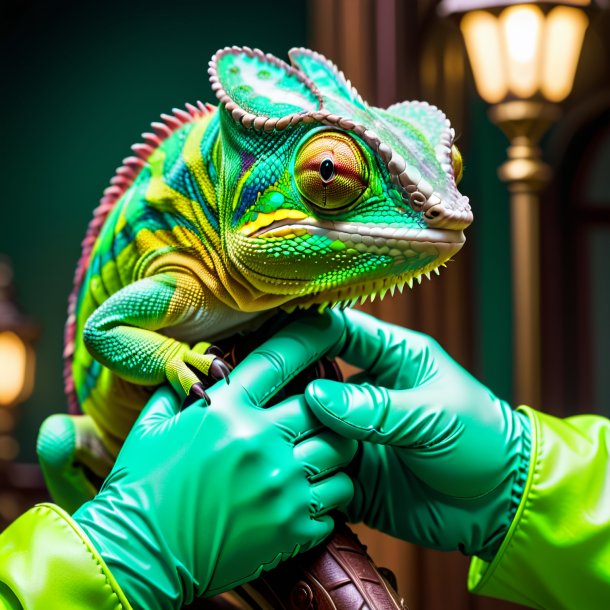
x,y
80,82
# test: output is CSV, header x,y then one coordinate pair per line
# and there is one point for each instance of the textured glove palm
x,y
202,500
443,460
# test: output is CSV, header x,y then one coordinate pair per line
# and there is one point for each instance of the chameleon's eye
x,y
330,171
457,163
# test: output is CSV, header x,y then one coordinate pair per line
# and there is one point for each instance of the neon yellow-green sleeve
x,y
48,563
556,554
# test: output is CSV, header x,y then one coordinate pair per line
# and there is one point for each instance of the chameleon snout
x,y
442,214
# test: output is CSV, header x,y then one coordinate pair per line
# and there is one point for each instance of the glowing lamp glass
x,y
522,28
565,31
482,36
522,51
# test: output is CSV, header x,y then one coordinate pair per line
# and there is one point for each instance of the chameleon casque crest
x,y
292,193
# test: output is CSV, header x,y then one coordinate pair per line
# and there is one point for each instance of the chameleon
x,y
292,193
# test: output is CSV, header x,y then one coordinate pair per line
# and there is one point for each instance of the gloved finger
x,y
364,343
317,529
269,367
324,453
163,405
370,413
331,493
294,418
384,351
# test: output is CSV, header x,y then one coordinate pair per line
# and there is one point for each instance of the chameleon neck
x,y
189,174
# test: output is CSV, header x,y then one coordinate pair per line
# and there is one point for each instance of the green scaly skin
x,y
218,228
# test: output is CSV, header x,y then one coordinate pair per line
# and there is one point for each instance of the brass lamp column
x,y
525,174
523,59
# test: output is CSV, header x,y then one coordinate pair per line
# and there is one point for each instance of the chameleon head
x,y
334,200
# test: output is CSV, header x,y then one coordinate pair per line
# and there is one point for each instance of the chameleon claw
x,y
196,393
219,369
214,351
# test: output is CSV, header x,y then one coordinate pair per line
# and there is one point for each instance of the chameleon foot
x,y
196,369
196,393
219,369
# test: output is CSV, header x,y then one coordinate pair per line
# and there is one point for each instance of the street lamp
x,y
522,50
17,360
523,58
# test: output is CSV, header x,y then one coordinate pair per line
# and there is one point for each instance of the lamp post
x,y
17,360
523,58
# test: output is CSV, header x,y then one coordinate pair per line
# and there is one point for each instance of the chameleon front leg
x,y
122,333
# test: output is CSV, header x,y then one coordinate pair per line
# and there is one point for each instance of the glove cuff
x,y
48,563
508,502
522,472
556,554
136,552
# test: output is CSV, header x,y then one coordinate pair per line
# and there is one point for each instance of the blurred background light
x,y
520,51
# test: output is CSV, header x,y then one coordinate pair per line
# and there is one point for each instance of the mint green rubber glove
x,y
443,461
202,500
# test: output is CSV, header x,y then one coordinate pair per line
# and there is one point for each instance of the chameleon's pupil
x,y
327,170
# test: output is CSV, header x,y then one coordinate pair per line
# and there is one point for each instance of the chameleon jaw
x,y
359,293
417,260
401,244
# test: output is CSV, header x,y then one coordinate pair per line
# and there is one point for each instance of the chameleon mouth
x,y
352,234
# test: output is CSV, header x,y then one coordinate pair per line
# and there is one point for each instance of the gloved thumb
x,y
361,412
163,405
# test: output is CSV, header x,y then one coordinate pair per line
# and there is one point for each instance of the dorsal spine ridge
x,y
120,182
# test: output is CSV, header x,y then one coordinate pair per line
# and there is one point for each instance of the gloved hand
x,y
202,500
443,461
